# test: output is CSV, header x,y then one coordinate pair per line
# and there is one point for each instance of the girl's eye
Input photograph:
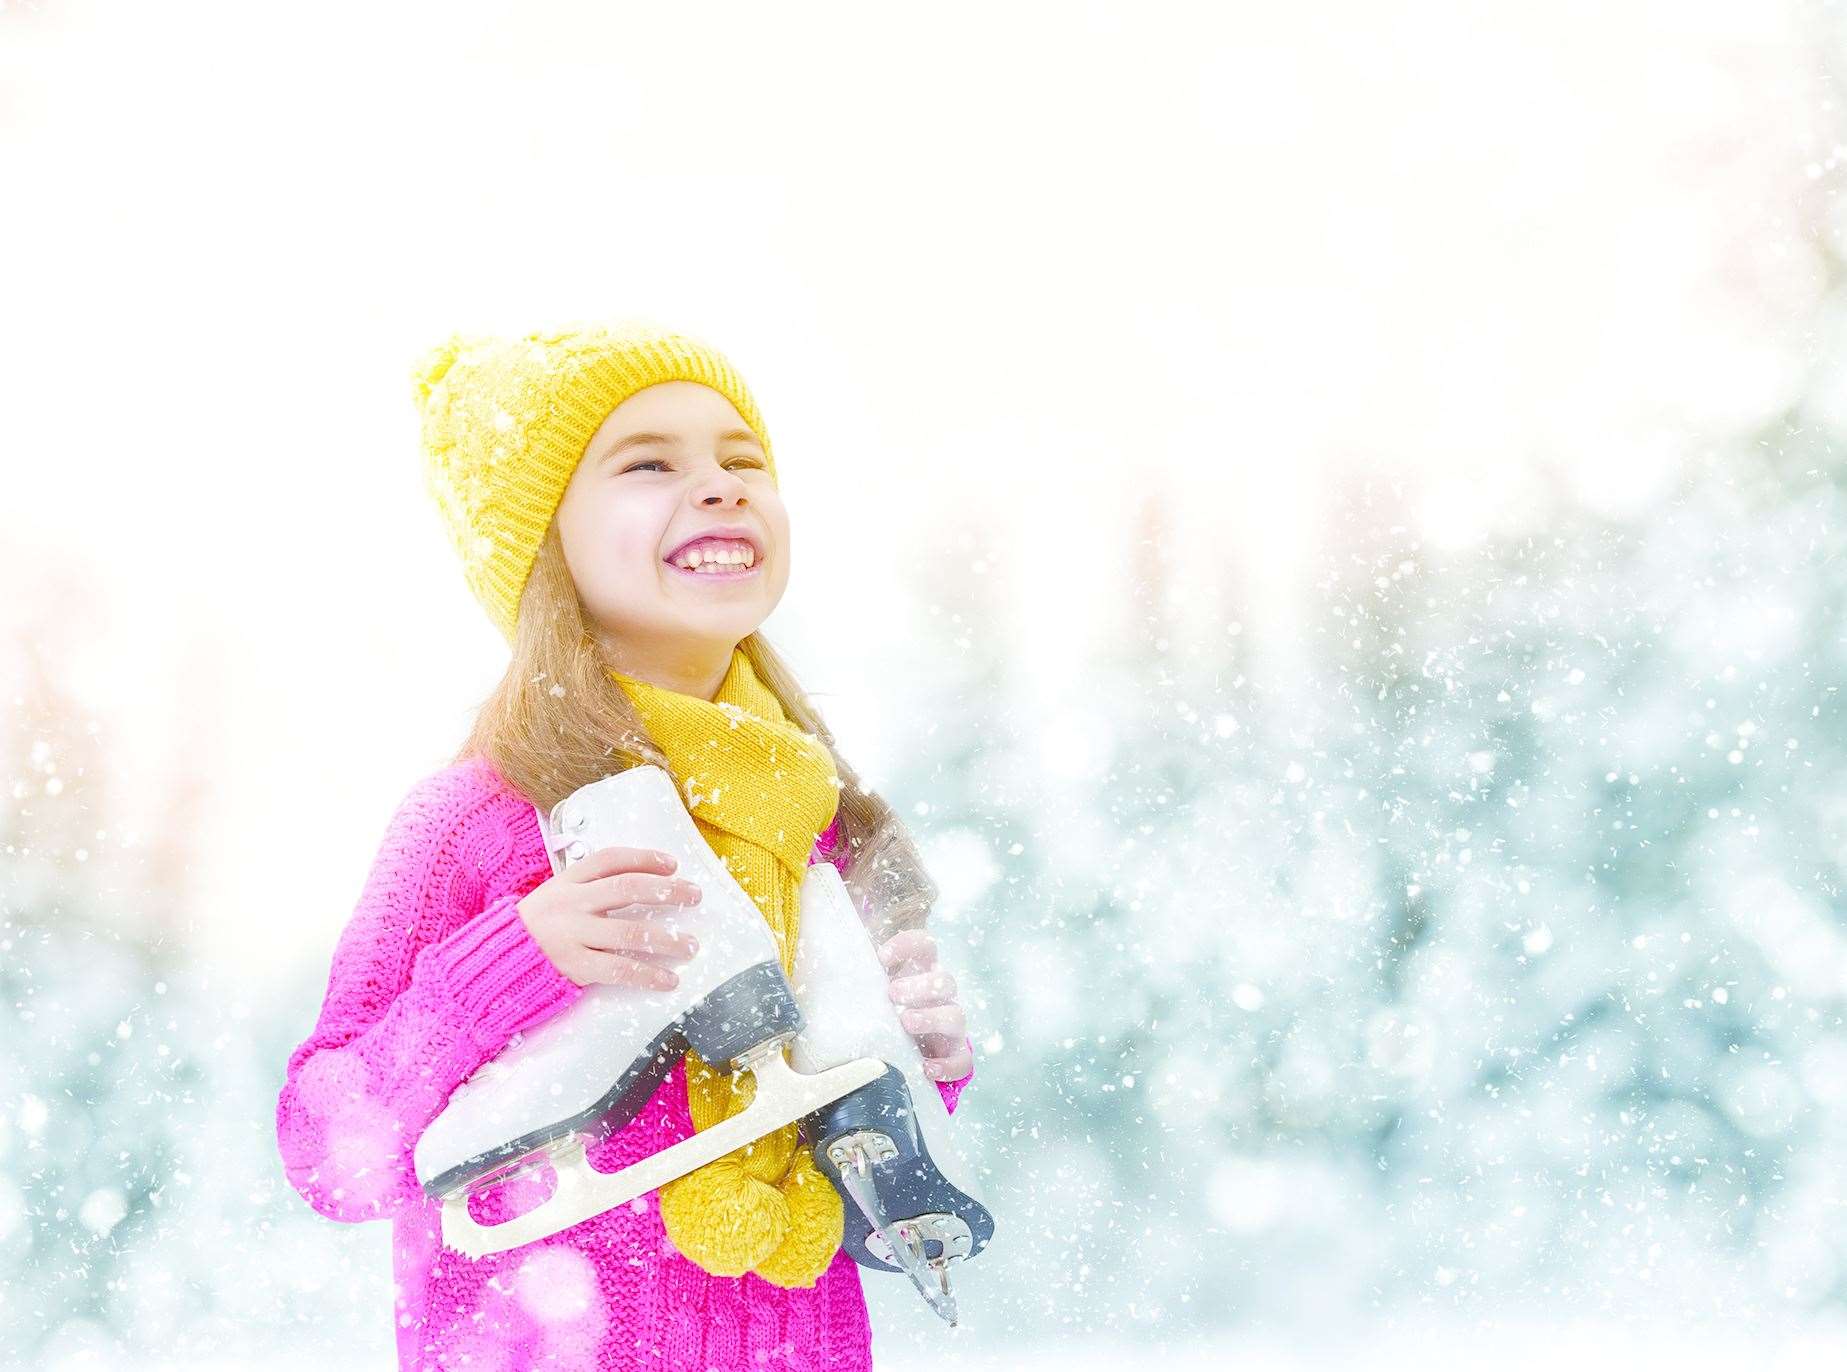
x,y
657,462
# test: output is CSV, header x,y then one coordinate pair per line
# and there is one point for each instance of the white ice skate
x,y
583,1074
911,1203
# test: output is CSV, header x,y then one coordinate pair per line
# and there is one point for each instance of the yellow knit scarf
x,y
760,791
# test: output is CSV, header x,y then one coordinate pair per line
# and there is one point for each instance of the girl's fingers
x,y
632,936
640,891
951,1068
908,946
922,988
939,1027
613,861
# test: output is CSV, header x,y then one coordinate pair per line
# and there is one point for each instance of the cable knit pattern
x,y
432,976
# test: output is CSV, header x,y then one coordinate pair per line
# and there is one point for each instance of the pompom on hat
x,y
505,422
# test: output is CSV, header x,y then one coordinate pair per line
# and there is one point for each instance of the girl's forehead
x,y
686,397
676,408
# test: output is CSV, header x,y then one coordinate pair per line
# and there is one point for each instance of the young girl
x,y
614,500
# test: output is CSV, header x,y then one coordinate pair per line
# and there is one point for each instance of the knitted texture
x,y
505,423
760,789
432,976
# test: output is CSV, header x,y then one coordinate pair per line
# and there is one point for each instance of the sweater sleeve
x,y
829,847
432,976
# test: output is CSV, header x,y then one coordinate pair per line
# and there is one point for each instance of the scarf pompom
x,y
818,1224
723,1218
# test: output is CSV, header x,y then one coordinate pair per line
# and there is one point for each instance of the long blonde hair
x,y
558,721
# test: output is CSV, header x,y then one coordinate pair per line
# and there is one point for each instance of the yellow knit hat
x,y
506,421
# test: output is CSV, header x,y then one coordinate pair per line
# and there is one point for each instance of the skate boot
x,y
911,1202
570,1082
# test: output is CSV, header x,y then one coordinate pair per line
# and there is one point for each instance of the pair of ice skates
x,y
875,1120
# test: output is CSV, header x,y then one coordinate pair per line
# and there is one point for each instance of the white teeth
x,y
720,557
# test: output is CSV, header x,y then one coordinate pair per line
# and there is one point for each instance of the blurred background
x,y
1328,521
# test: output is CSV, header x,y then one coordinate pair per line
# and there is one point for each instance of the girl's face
x,y
670,463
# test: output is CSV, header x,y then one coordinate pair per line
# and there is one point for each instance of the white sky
x,y
1010,267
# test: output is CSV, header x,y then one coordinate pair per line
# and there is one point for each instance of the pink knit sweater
x,y
432,976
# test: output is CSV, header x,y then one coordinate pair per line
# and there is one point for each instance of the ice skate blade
x,y
872,1147
903,1244
783,1097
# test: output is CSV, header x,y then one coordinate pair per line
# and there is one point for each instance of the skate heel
x,y
870,1141
752,1008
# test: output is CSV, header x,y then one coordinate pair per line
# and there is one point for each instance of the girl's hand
x,y
926,1001
596,920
